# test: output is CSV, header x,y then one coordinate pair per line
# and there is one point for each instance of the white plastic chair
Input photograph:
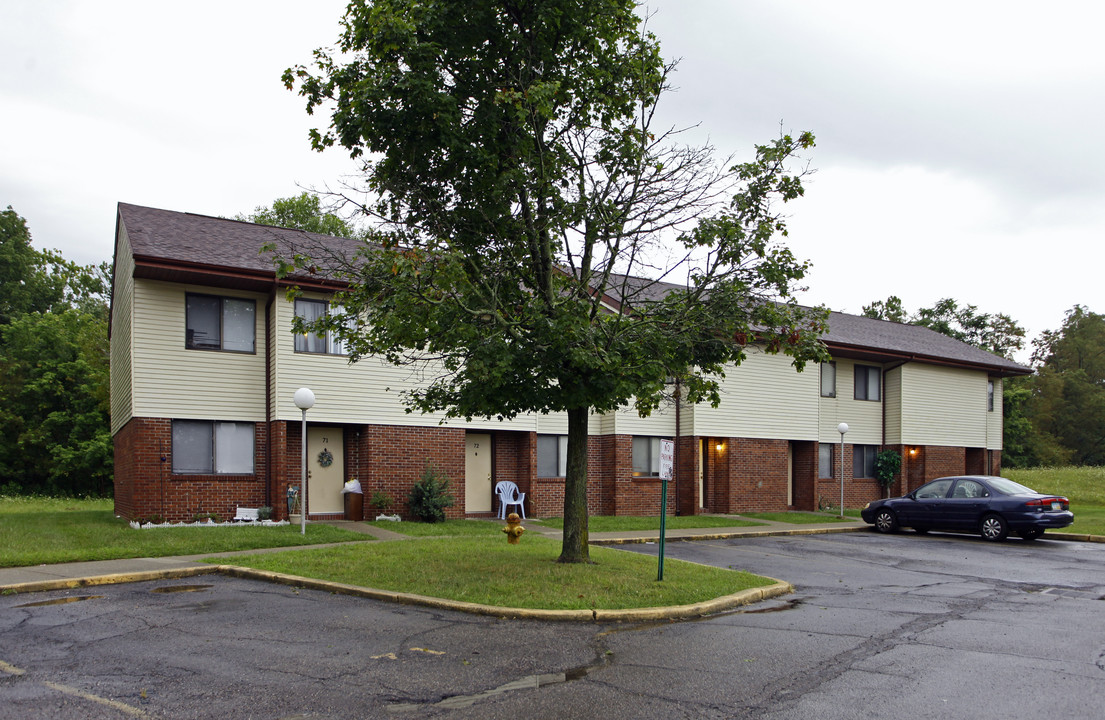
x,y
508,494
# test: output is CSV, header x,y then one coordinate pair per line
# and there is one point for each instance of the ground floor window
x,y
646,456
207,447
552,456
825,460
863,460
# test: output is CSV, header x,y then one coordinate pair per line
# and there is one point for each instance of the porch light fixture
x,y
304,400
842,428
720,446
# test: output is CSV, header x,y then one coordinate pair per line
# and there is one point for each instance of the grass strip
x,y
37,531
447,528
635,523
797,518
493,572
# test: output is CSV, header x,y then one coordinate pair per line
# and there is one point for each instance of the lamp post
x,y
304,400
842,428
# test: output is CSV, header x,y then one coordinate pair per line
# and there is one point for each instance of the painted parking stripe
x,y
10,669
121,707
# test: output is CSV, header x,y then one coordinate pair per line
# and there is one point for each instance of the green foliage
x,y
302,212
521,192
381,501
1067,401
997,333
887,465
54,407
430,496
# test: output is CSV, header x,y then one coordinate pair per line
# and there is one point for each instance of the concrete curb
x,y
676,612
112,579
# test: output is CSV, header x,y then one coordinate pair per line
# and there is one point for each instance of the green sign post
x,y
667,465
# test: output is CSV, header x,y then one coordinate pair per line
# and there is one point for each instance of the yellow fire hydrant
x,y
513,528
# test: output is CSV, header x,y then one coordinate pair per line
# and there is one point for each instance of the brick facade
x,y
146,488
739,474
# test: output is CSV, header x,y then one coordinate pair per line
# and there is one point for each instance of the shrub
x,y
264,512
887,465
381,501
430,496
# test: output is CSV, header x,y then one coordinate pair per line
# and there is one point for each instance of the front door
x,y
477,472
325,470
703,448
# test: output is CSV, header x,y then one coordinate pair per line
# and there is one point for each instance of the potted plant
x,y
293,506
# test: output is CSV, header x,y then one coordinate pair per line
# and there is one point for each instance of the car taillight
x,y
1049,503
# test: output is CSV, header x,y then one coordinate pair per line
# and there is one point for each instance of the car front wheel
x,y
994,528
885,522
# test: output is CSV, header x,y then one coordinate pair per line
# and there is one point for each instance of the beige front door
x,y
477,472
325,481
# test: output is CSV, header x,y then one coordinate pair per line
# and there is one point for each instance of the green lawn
x,y
450,528
633,523
798,517
1083,486
491,571
35,531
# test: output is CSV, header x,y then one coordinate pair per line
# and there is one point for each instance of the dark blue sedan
x,y
990,506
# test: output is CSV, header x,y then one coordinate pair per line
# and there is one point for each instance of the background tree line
x,y
55,435
1053,417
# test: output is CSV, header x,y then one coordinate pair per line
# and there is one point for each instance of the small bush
x,y
264,513
381,501
887,465
430,496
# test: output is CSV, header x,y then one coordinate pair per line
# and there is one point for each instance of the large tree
x,y
1068,401
539,243
54,431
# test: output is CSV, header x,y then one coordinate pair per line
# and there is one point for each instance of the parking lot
x,y
930,627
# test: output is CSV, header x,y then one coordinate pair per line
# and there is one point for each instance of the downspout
x,y
268,396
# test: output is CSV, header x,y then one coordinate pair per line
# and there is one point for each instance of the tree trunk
x,y
574,548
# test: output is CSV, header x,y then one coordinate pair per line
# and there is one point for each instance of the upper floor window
x,y
552,456
990,396
206,447
828,379
219,323
868,381
328,342
646,457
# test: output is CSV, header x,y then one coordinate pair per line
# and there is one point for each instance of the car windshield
x,y
1008,487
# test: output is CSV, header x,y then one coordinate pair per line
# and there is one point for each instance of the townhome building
x,y
205,365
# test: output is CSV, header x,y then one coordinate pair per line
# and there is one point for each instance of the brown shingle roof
x,y
162,239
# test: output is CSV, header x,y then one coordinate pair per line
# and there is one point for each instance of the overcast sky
x,y
960,147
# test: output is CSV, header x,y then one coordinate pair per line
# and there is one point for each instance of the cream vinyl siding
x,y
171,381
557,424
122,309
660,423
994,427
763,397
943,406
864,417
367,391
